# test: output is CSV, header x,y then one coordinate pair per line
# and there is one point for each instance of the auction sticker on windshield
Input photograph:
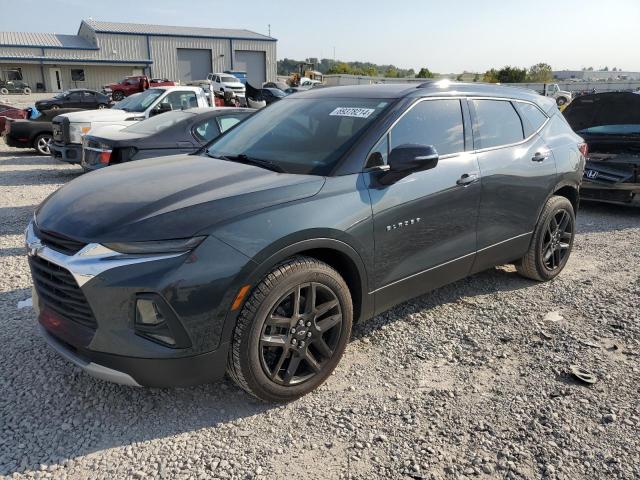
x,y
352,112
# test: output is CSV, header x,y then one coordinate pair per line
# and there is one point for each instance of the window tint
x,y
207,130
88,96
496,123
227,121
532,117
431,122
181,100
74,96
379,154
158,123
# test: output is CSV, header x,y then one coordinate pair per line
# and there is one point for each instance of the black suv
x,y
325,208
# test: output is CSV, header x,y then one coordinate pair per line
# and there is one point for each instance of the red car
x,y
130,85
7,111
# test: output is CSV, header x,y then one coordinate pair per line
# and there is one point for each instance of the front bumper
x,y
100,335
70,152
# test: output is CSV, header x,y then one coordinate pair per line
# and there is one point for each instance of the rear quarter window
x,y
532,117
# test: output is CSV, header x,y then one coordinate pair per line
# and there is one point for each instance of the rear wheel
x,y
55,107
552,241
561,101
26,90
41,144
4,91
117,96
292,331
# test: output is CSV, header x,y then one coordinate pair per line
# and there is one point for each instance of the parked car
x,y
239,74
610,124
7,111
36,133
14,86
135,84
69,129
279,85
271,95
75,98
323,209
184,131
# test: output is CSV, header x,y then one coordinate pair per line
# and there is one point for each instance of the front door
x,y
55,79
425,223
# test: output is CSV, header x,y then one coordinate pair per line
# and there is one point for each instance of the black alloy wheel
x,y
551,243
292,330
301,334
557,239
117,96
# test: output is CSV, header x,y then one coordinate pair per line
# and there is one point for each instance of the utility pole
x,y
334,55
269,29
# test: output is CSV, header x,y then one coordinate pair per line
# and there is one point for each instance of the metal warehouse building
x,y
105,52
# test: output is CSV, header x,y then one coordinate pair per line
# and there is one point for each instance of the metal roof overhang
x,y
56,60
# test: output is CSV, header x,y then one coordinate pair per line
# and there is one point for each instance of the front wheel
x,y
101,106
561,101
55,107
26,91
552,241
41,144
292,331
4,91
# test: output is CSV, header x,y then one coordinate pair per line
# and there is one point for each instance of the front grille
x,y
58,242
60,292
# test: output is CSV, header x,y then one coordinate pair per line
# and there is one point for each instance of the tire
x,y
101,106
561,101
41,143
26,91
4,91
55,107
552,241
273,350
117,96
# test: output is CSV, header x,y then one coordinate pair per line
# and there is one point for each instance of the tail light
x,y
105,157
584,149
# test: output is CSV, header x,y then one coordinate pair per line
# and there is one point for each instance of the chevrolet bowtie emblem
x,y
34,248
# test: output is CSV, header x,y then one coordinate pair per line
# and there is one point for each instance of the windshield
x,y
139,102
306,136
158,123
228,79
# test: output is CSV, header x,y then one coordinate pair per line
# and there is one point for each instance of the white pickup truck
x,y
552,90
222,82
68,129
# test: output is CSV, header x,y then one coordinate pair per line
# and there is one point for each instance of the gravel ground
x,y
469,381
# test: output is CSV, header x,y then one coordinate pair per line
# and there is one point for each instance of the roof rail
x,y
427,83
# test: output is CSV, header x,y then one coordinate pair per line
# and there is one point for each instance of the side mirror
x,y
409,158
161,108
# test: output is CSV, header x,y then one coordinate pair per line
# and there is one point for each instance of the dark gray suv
x,y
327,207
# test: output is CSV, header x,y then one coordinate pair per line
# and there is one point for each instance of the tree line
x,y
539,73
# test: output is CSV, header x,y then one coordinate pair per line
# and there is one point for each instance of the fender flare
x,y
264,261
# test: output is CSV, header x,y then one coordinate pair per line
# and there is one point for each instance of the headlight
x,y
181,245
77,131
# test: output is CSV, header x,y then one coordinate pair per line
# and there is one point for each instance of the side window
x,y
379,154
431,122
181,100
75,96
207,130
88,96
225,122
532,117
496,123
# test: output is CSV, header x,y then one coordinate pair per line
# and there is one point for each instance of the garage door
x,y
254,64
194,63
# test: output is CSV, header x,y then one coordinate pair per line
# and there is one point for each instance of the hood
x,y
113,132
101,115
601,109
164,198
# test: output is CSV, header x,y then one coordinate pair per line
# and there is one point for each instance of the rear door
x,y
518,172
73,100
425,223
89,100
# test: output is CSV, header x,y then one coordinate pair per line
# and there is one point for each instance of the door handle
x,y
539,157
467,179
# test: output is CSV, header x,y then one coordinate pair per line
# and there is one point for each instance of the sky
x,y
444,36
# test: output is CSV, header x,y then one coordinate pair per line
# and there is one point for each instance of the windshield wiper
x,y
242,158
